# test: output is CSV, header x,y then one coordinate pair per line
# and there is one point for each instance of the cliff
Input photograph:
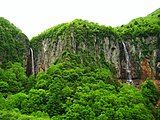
x,y
90,43
82,62
96,44
142,36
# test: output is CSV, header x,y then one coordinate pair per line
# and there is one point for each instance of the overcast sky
x,y
34,16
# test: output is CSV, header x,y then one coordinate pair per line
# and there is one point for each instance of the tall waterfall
x,y
128,71
32,60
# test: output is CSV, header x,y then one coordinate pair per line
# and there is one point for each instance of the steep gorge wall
x,y
143,54
92,42
48,55
91,47
142,35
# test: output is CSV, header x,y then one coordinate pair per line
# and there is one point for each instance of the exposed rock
x,y
140,49
99,43
51,51
113,53
146,69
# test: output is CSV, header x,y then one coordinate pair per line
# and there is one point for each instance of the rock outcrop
x,y
143,54
90,46
96,44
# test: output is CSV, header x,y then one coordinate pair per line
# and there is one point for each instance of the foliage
x,y
16,115
102,101
82,30
15,101
158,113
76,92
150,91
13,79
70,89
13,43
79,30
36,101
141,27
2,102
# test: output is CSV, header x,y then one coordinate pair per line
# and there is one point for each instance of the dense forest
x,y
64,74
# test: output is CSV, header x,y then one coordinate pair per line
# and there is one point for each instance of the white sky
x,y
34,16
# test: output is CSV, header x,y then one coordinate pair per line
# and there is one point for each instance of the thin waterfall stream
x,y
128,71
32,60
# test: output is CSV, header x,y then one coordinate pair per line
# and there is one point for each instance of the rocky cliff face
x,y
51,51
142,54
143,57
96,44
91,47
142,36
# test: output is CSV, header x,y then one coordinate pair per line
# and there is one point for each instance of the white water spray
x,y
128,71
32,60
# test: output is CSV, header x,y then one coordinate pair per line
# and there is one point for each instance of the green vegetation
x,y
70,89
141,27
16,115
14,79
13,44
81,30
79,27
84,30
139,33
66,91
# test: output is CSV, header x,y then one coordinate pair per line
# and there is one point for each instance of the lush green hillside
x,y
79,27
141,27
66,91
79,84
63,41
78,31
13,44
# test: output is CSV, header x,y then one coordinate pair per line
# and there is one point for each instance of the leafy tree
x,y
2,102
16,115
13,79
36,101
16,101
149,91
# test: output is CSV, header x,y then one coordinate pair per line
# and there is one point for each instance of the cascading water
x,y
32,60
128,71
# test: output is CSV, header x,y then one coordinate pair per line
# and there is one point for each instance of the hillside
x,y
103,44
79,36
13,44
81,70
141,27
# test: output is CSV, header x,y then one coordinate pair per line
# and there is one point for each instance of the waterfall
x,y
32,61
128,71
